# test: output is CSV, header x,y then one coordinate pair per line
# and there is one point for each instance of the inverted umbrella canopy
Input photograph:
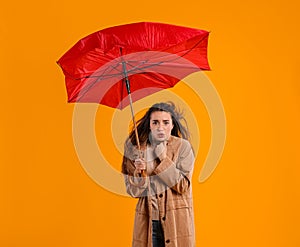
x,y
140,58
106,66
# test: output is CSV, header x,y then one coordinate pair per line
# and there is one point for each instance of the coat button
x,y
163,218
161,195
168,241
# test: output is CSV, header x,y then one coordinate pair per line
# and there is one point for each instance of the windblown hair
x,y
143,125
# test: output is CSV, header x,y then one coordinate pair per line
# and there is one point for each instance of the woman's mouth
x,y
161,135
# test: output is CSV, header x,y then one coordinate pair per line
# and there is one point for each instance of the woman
x,y
164,212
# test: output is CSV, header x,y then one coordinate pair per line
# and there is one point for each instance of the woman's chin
x,y
159,139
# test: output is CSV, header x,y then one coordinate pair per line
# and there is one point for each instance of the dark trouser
x,y
157,234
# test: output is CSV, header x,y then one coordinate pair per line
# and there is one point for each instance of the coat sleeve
x,y
135,186
177,173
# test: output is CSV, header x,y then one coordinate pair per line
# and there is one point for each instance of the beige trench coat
x,y
172,180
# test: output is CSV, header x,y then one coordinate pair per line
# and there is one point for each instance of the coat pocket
x,y
141,223
184,221
181,202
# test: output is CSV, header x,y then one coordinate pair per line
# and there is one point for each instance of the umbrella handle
x,y
143,173
142,178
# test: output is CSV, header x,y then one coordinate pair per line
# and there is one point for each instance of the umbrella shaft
x,y
126,77
134,123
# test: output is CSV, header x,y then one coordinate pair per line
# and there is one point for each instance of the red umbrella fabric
x,y
145,53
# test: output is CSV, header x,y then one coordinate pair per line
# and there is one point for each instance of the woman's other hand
x,y
161,150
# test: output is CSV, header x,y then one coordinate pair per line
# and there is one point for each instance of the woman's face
x,y
160,125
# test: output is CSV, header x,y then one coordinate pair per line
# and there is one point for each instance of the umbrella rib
x,y
171,60
98,78
159,63
134,68
102,75
152,65
81,94
189,50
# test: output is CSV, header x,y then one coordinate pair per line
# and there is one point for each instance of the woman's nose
x,y
160,127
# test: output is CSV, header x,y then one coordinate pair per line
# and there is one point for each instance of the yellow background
x,y
252,199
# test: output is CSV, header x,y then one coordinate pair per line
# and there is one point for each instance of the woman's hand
x,y
140,165
161,150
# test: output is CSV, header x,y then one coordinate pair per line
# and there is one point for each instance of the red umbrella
x,y
139,58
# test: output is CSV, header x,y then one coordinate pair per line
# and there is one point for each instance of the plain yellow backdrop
x,y
252,199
